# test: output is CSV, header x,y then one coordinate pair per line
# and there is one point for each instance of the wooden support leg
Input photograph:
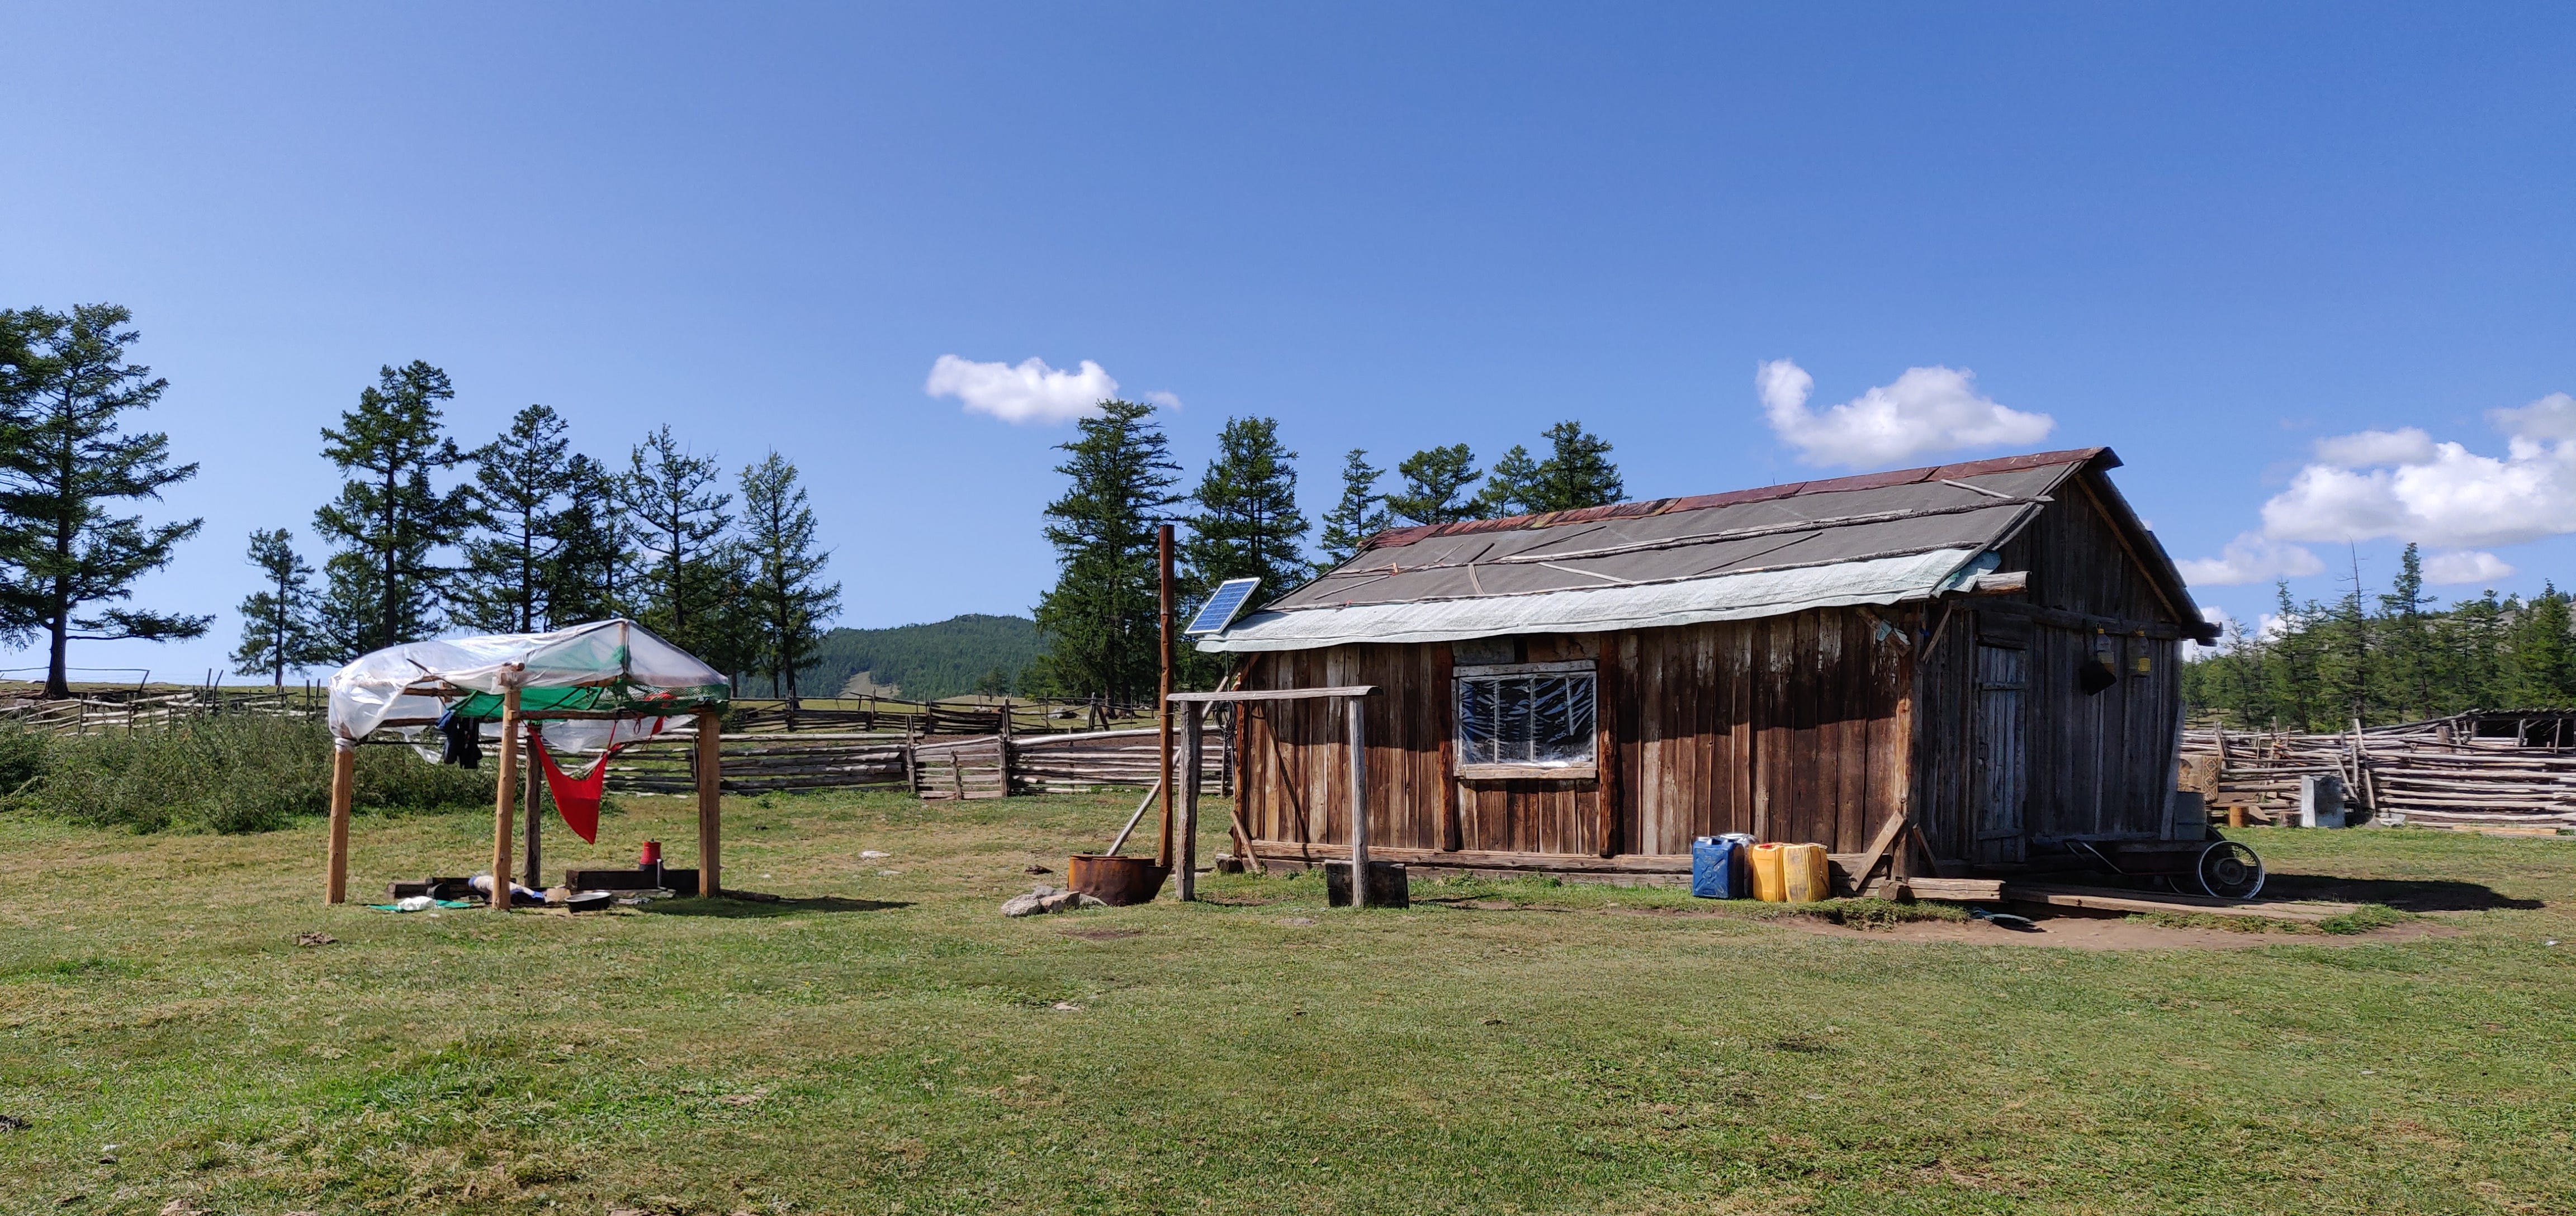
x,y
1359,803
344,774
505,797
710,803
1192,715
530,781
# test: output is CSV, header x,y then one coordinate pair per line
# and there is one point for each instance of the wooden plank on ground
x,y
2112,900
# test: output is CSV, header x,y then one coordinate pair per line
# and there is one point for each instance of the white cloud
x,y
1928,409
1028,392
2466,566
2250,558
2404,485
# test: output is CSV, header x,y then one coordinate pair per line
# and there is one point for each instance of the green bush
x,y
234,773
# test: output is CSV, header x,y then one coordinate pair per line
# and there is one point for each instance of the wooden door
x,y
2002,784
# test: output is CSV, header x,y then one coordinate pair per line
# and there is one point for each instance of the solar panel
x,y
1221,608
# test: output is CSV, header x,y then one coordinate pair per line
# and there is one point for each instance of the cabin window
x,y
1527,720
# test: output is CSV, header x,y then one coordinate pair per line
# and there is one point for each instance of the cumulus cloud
x,y
2404,485
2250,558
2466,566
1928,409
1029,391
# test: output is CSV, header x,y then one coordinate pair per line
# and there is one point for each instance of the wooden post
x,y
505,796
1163,699
528,805
344,773
1359,803
1191,716
710,802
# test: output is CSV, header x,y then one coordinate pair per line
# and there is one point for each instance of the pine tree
x,y
281,626
591,575
2543,662
389,522
2405,639
787,598
1247,525
1511,486
1576,474
1359,515
65,464
692,571
1098,621
521,481
1435,485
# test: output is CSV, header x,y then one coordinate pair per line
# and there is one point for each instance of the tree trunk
x,y
57,687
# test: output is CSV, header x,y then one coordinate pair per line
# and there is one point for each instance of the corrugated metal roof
x,y
1872,539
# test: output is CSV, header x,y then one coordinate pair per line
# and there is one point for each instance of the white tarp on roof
x,y
372,690
1728,597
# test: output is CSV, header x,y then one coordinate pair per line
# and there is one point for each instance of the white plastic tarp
x,y
1726,597
374,689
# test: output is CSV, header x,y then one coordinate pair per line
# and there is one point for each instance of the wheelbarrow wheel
x,y
2229,870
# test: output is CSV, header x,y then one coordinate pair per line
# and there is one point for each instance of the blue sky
x,y
2212,238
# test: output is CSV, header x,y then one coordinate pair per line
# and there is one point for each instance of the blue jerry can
x,y
1717,866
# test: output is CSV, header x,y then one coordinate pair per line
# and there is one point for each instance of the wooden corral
x,y
1963,709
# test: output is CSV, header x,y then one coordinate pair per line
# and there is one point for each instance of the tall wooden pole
x,y
710,802
530,781
1359,802
1192,716
1163,698
344,773
505,797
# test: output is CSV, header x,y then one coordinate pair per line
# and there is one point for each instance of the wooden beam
x,y
1191,750
505,796
710,803
534,831
2063,619
2111,900
1275,694
1163,695
1358,715
1877,849
344,773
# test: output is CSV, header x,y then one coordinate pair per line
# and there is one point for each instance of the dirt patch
x,y
1103,935
2105,933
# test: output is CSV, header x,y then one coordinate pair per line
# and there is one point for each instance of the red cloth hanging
x,y
576,798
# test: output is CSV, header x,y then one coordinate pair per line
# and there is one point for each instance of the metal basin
x,y
1117,881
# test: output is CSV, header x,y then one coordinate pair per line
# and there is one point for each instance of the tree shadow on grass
x,y
2403,894
730,908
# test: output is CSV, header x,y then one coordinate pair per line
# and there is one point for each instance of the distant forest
x,y
2393,657
966,654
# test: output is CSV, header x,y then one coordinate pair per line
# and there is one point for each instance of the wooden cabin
x,y
1988,651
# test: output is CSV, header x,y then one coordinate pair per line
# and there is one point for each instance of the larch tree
x,y
1098,621
391,518
281,622
1247,524
692,571
521,483
787,599
1360,514
591,573
66,465
1510,486
1576,473
1436,482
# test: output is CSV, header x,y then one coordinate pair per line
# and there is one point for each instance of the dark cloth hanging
x,y
462,741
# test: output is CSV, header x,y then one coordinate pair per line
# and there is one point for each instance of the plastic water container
x,y
1767,878
1805,876
1717,865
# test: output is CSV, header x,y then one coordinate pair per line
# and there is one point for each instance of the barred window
x,y
1527,720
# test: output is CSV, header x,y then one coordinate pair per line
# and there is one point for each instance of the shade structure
x,y
592,685
611,669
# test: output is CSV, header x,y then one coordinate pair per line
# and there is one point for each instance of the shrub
x,y
231,773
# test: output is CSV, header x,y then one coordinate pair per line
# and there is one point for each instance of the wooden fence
x,y
990,766
2440,773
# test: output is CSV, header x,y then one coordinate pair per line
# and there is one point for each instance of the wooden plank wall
x,y
1784,728
2099,765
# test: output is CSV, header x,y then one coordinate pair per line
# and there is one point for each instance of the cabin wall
x,y
2096,765
1791,728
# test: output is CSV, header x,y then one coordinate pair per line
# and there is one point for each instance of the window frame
x,y
1465,770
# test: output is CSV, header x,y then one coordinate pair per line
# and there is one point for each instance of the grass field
x,y
882,1041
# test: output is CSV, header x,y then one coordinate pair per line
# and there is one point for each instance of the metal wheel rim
x,y
2225,864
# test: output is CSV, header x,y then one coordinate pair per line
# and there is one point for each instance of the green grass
x,y
887,1043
